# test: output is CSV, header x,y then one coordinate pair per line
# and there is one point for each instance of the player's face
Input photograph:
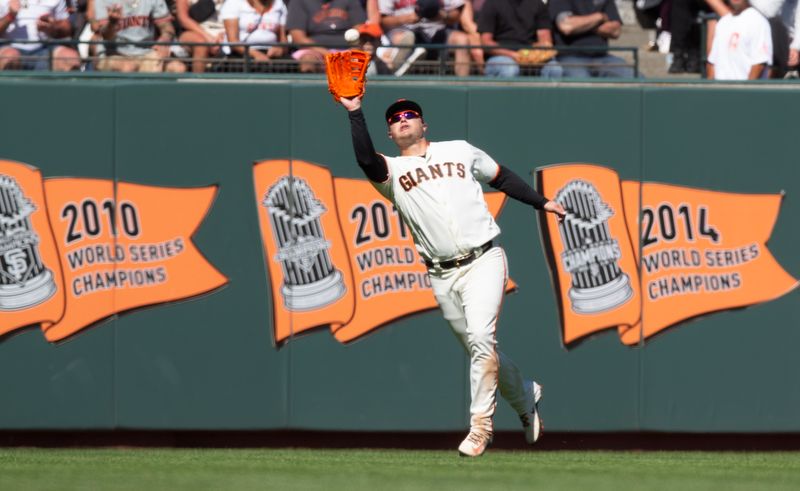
x,y
406,127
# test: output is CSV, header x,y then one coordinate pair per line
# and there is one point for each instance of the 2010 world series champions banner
x,y
641,257
338,254
75,251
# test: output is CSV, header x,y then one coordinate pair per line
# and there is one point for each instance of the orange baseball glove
x,y
347,73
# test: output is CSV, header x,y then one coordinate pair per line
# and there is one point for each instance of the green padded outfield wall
x,y
209,362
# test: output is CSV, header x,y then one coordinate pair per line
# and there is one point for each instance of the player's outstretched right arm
x,y
372,163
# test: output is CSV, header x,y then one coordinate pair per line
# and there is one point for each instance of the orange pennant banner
x,y
590,253
100,250
702,251
338,254
304,250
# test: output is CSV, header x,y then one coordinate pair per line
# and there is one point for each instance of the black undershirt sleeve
x,y
513,185
373,164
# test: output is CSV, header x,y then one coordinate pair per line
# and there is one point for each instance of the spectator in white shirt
x,y
742,46
259,23
35,21
783,24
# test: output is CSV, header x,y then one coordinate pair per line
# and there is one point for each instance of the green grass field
x,y
301,469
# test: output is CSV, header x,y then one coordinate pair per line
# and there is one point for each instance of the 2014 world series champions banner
x,y
641,257
338,254
74,251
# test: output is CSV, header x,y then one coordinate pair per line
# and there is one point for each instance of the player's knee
x,y
482,345
485,355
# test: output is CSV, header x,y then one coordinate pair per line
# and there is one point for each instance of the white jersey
x,y
23,27
740,41
255,29
440,198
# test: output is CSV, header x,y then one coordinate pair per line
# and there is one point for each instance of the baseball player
x,y
436,188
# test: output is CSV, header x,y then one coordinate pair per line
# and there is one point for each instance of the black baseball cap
x,y
402,105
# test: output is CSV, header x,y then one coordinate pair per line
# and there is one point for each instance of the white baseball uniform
x,y
740,41
439,197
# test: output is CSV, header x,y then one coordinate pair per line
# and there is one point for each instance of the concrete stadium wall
x,y
210,363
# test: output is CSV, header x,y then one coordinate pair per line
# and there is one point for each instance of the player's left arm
x,y
485,169
513,186
372,163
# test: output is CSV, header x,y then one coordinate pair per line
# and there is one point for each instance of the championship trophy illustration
x,y
310,280
24,280
590,253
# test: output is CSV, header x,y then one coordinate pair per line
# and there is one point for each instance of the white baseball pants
x,y
470,298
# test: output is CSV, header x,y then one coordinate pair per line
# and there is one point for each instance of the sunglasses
x,y
396,117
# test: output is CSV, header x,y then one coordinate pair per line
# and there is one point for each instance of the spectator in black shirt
x,y
588,23
320,22
507,24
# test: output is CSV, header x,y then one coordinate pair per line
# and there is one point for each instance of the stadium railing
x,y
437,61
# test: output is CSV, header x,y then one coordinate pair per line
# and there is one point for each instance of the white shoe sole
x,y
537,428
537,418
461,453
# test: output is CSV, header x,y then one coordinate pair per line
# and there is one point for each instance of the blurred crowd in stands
x,y
738,39
494,38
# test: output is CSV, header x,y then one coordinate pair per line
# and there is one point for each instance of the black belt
x,y
462,260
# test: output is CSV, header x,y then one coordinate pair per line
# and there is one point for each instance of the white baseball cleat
x,y
532,421
474,444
